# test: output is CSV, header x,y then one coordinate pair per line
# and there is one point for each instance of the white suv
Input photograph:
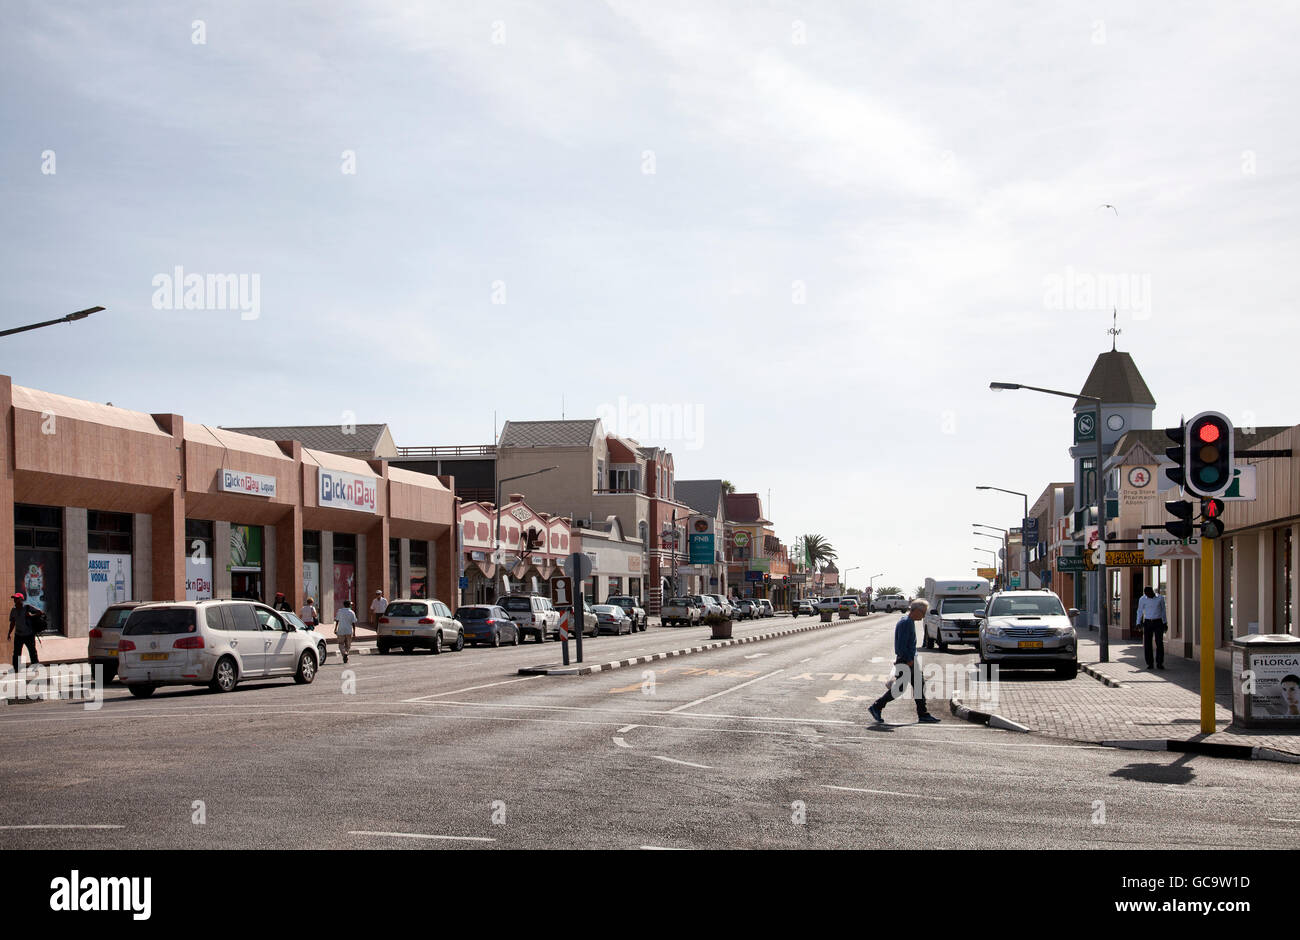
x,y
1028,629
888,602
409,622
213,643
533,614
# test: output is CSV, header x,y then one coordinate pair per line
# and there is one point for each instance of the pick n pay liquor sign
x,y
348,491
255,484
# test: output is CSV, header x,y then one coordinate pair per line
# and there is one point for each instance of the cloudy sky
x,y
800,238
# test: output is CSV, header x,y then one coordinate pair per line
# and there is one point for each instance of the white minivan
x,y
216,643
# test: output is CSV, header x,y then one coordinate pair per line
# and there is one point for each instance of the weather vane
x,y
1114,331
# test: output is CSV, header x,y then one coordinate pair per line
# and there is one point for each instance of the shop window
x,y
419,584
310,545
345,548
108,532
38,560
394,563
615,587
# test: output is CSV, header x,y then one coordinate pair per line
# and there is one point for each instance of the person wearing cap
x,y
22,622
378,606
281,603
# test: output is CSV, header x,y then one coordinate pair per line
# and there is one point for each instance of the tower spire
x,y
1114,330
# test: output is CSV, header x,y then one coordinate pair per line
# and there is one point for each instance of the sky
x,y
791,242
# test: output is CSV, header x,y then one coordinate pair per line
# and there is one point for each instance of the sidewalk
x,y
1145,709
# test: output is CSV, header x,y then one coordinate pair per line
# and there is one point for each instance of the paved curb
x,y
1100,676
1207,749
992,719
591,668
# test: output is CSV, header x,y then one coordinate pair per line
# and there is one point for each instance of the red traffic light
x,y
1212,508
1208,433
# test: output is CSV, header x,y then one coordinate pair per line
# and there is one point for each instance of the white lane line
x,y
1284,820
808,660
673,760
419,835
919,796
625,729
62,826
755,655
662,848
472,688
723,692
877,659
621,743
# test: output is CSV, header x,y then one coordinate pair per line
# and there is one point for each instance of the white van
x,y
953,603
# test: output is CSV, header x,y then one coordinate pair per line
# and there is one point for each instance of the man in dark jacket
x,y
905,665
22,621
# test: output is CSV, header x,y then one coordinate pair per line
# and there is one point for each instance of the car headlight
x,y
992,630
1065,631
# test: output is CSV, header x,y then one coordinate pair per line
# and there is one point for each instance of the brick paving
x,y
1155,706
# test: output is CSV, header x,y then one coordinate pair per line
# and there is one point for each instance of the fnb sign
x,y
347,491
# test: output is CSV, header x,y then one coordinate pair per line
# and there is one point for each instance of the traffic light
x,y
785,579
1211,515
1181,508
1209,454
1177,454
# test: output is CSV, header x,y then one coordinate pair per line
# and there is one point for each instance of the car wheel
x,y
141,689
515,642
306,668
943,646
321,650
110,670
408,647
382,648
225,676
437,643
460,642
496,639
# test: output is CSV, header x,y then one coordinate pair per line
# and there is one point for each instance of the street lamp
x,y
846,575
496,554
1103,589
79,315
1024,542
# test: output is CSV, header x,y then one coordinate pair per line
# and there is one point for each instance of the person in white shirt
x,y
378,606
345,620
309,615
1151,618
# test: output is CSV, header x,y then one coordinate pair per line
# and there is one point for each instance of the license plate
x,y
112,652
403,632
1030,644
154,657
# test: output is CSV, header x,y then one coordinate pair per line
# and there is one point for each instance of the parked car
x,y
612,619
533,613
1028,629
746,609
849,604
724,605
802,607
681,612
487,623
589,622
765,608
101,650
414,621
707,604
632,607
199,643
827,603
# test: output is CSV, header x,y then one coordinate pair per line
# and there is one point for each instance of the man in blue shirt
x,y
905,665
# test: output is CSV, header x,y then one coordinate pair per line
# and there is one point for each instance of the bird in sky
x,y
1107,205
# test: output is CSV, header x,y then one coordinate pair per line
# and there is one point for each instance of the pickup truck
x,y
680,612
888,602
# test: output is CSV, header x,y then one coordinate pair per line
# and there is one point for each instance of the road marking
x,y
723,692
673,760
626,728
472,688
1284,820
62,826
621,743
419,835
920,796
802,661
755,655
877,659
662,848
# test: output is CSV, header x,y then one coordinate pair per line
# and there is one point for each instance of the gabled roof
x,y
1116,381
1155,441
701,495
745,508
329,437
548,433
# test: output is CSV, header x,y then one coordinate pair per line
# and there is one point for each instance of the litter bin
x,y
1266,682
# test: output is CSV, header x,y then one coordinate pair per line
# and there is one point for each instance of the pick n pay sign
x,y
348,491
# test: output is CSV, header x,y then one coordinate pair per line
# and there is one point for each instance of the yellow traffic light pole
x,y
1208,634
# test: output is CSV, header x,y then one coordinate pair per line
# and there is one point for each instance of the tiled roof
x,y
1116,381
327,437
548,433
1154,439
745,507
700,495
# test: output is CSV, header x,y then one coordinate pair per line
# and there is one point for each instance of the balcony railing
x,y
465,450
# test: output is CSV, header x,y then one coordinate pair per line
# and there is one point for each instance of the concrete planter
x,y
827,615
721,629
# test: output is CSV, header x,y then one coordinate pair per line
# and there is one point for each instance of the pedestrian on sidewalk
x,y
344,622
905,671
1151,618
23,621
281,603
309,615
377,607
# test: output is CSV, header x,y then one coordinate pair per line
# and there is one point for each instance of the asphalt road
x,y
760,745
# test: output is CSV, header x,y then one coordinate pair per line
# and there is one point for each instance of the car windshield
x,y
398,609
960,605
114,617
471,613
297,624
159,621
1048,606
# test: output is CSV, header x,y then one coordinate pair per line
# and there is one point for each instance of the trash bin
x,y
1266,681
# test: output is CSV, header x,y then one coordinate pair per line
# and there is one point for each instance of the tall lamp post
x,y
1103,588
1024,542
846,575
496,554
1003,538
79,315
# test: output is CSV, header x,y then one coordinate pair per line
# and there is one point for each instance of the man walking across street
x,y
905,671
377,608
22,622
1151,618
345,620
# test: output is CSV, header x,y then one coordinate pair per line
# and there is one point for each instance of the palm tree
x,y
817,552
728,486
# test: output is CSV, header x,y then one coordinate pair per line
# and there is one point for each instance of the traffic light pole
x,y
1208,632
1103,588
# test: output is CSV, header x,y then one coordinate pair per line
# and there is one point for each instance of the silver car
x,y
101,649
416,621
213,643
1028,629
765,608
610,618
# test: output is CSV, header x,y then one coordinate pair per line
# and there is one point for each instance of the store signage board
x,y
351,491
252,484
